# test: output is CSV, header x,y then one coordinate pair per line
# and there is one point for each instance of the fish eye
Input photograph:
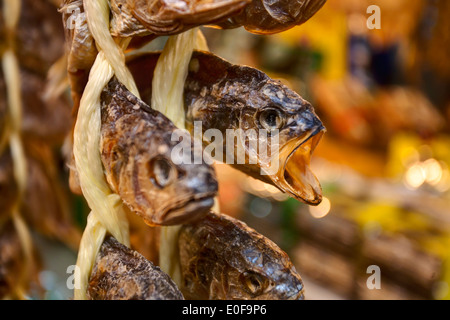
x,y
163,172
115,153
253,282
271,119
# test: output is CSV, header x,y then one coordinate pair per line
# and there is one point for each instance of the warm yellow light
x,y
321,210
415,176
275,193
433,171
444,184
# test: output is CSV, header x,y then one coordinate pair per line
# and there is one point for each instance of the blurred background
x,y
384,164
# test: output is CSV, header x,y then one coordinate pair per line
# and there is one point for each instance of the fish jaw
x,y
192,197
179,203
186,212
295,176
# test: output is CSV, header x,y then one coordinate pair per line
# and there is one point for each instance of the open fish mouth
x,y
188,211
295,175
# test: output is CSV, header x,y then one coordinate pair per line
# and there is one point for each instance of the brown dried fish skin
x,y
123,23
222,258
39,36
163,17
8,187
224,96
48,119
120,273
52,217
269,16
137,153
80,47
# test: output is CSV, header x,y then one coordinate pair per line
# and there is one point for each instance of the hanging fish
x,y
39,38
222,258
120,273
138,156
165,17
273,16
52,217
226,97
47,118
80,48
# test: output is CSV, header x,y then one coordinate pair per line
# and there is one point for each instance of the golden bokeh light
x,y
322,210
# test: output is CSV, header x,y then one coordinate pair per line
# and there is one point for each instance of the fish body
x,y
80,48
52,217
164,17
222,258
223,96
120,273
269,16
39,38
138,155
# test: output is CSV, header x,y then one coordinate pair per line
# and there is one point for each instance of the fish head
x,y
289,131
263,272
168,191
221,258
139,152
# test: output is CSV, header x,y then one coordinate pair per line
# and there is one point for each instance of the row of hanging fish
x,y
136,145
220,257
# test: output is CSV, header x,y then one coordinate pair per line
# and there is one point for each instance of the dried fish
x,y
123,274
130,19
80,47
39,36
269,16
45,118
222,259
223,96
137,155
52,217
164,17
